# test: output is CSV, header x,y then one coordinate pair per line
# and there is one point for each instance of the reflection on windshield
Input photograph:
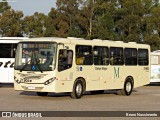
x,y
36,57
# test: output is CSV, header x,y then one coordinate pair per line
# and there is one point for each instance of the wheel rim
x,y
79,89
128,87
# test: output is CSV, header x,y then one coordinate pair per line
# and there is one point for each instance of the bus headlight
x,y
49,81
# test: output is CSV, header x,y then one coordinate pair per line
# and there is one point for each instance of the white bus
x,y
155,66
8,47
75,65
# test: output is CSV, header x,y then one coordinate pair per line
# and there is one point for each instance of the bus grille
x,y
32,76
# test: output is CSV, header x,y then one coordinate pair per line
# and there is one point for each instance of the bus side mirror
x,y
66,47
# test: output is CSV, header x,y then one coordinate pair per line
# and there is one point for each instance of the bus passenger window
x,y
116,56
7,50
101,55
143,58
65,59
79,60
130,56
84,55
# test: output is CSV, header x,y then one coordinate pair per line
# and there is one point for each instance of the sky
x,y
29,7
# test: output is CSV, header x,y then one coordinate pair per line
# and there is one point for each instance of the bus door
x,y
65,70
65,59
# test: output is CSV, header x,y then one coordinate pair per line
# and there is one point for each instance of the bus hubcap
x,y
128,87
79,89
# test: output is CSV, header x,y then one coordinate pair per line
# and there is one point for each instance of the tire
x,y
42,93
78,90
128,87
97,92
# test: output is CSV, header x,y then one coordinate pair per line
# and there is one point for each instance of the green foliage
x,y
129,24
36,25
123,20
4,6
103,27
10,23
66,22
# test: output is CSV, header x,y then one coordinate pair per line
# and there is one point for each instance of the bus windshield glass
x,y
36,56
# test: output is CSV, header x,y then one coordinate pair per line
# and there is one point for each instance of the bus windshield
x,y
36,56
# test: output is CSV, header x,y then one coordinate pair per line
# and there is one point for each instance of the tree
x,y
10,23
128,25
51,22
125,20
58,23
149,23
4,6
66,23
85,16
35,25
103,25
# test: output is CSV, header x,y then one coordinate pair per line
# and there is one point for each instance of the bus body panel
x,y
33,81
111,80
6,70
155,67
155,73
7,56
96,77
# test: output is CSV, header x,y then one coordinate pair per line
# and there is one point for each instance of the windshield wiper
x,y
32,63
24,66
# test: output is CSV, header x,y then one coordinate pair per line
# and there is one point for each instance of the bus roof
x,y
81,41
11,39
157,52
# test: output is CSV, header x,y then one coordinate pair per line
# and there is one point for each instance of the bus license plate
x,y
31,88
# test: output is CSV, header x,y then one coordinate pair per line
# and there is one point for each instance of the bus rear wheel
x,y
128,87
42,93
78,89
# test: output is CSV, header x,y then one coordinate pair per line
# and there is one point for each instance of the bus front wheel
x,y
42,93
128,87
78,89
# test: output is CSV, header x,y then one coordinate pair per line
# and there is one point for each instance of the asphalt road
x,y
145,98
